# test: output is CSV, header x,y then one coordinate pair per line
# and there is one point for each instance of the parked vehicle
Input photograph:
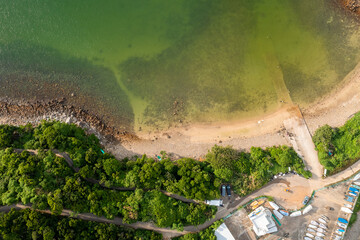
x,y
306,200
318,238
307,238
228,190
321,230
343,225
223,190
218,203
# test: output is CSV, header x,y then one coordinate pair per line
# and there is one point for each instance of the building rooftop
x,y
262,221
223,233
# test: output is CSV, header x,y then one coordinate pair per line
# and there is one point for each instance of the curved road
x,y
271,189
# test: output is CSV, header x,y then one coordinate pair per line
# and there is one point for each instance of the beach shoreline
x,y
334,109
194,140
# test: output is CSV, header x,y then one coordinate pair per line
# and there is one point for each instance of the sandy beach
x,y
195,141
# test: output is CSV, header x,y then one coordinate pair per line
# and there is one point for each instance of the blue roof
x,y
353,189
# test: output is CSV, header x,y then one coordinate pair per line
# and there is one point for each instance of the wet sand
x,y
195,140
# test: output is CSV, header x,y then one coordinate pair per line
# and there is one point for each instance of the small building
x,y
223,233
262,221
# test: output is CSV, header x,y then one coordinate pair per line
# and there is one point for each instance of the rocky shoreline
x,y
351,5
22,112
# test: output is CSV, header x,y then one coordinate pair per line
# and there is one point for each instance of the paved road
x,y
271,189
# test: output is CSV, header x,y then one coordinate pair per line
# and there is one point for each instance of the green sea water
x,y
159,63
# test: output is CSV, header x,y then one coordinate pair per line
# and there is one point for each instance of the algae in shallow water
x,y
170,61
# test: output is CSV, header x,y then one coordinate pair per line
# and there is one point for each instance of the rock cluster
x,y
352,5
34,112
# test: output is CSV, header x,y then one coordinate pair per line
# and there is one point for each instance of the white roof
x,y
223,233
307,209
262,221
274,205
278,215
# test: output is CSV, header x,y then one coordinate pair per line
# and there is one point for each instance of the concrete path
x,y
302,142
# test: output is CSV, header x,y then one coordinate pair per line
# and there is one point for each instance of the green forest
x,y
46,181
206,234
248,171
186,177
338,147
28,224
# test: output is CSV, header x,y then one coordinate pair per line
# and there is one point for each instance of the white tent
x,y
223,233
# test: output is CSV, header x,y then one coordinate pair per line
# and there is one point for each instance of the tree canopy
x,y
28,224
338,147
248,171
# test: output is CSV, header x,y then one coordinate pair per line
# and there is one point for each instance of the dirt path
x,y
300,187
70,162
166,232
